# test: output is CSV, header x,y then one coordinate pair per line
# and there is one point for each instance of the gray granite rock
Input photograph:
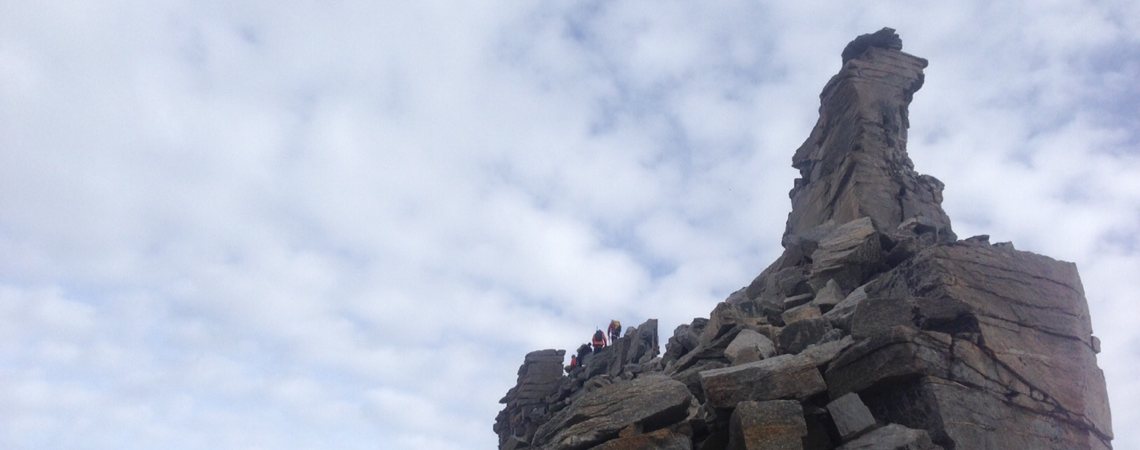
x,y
780,377
850,415
799,335
749,344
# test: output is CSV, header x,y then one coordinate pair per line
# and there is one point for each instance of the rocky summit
x,y
877,328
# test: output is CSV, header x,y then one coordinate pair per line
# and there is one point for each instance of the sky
x,y
342,224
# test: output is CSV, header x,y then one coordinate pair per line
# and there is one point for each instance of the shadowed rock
x,y
896,437
850,415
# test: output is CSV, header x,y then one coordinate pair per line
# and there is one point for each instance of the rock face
x,y
854,164
876,327
539,377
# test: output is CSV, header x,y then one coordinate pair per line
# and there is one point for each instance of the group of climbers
x,y
597,343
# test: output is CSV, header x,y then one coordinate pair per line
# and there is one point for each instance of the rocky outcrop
x,y
540,377
875,329
854,164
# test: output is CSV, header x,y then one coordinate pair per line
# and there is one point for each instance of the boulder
x,y
1028,311
828,296
749,346
780,377
649,402
966,398
821,355
711,351
840,316
691,376
960,416
770,425
902,352
724,317
896,437
799,335
850,415
847,256
664,439
876,315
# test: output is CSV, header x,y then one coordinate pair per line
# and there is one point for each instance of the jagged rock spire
x,y
854,164
876,328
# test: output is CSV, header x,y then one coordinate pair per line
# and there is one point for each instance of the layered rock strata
x,y
876,328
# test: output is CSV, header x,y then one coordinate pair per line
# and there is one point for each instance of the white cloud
x,y
307,224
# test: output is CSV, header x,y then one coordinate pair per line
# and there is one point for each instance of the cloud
x,y
301,225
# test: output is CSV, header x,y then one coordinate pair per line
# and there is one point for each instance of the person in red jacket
x,y
599,340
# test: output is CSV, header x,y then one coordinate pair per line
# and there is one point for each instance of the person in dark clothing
x,y
582,352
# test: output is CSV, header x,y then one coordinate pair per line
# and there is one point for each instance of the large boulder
x,y
962,416
770,425
781,377
897,437
649,403
800,334
1026,312
847,256
900,353
748,346
663,439
850,415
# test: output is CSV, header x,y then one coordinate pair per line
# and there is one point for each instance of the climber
x,y
582,352
615,330
573,363
599,340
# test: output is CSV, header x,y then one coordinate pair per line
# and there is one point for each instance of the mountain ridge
x,y
875,328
